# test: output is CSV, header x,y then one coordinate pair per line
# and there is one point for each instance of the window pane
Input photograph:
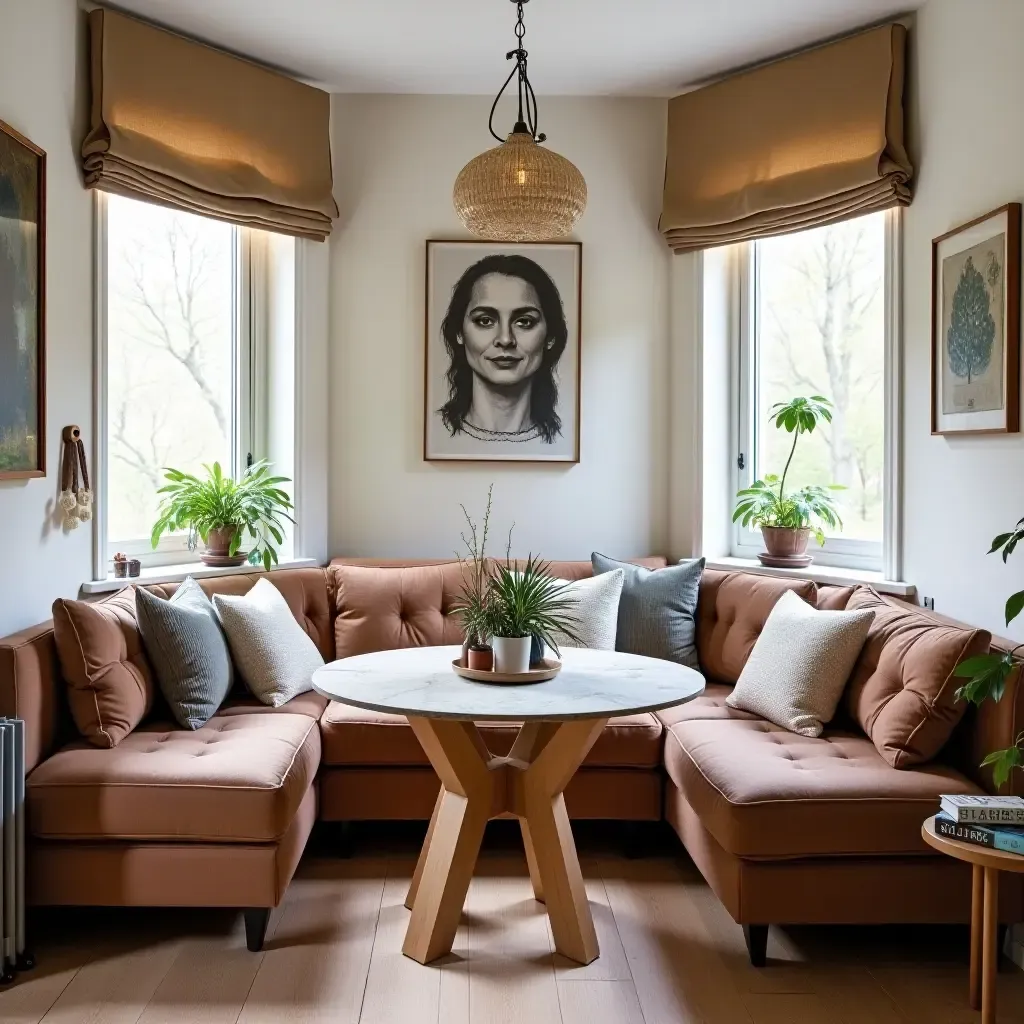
x,y
170,306
820,316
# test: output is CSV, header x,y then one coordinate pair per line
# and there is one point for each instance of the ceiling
x,y
576,47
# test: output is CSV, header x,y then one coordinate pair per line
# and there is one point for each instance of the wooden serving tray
x,y
550,669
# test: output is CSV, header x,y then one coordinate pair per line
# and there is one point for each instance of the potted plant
x,y
787,519
988,674
471,607
521,604
221,511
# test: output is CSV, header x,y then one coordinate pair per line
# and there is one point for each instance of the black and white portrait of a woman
x,y
503,340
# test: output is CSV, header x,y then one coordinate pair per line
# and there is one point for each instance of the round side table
x,y
986,863
561,719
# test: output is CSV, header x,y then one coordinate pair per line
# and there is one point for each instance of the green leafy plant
x,y
767,503
471,607
254,504
529,601
988,674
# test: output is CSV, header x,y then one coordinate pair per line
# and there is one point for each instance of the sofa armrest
x,y
30,689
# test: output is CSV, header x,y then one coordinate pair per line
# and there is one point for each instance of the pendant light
x,y
519,191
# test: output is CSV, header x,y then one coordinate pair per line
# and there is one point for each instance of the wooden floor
x,y
670,955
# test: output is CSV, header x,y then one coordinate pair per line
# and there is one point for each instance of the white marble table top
x,y
419,681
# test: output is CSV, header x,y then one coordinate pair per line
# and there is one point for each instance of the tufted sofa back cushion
x,y
731,612
382,609
305,590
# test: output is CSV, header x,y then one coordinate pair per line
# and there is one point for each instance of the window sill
x,y
176,573
820,574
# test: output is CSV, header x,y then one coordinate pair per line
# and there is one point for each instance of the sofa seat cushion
x,y
710,705
237,779
352,736
241,702
767,793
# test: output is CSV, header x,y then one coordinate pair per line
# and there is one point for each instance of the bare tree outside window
x,y
821,331
170,304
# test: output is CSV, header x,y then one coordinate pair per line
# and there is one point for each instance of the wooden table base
x,y
476,787
985,952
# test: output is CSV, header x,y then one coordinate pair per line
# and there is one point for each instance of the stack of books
x,y
995,821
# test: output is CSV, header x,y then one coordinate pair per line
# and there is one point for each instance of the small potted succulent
x,y
220,511
523,603
788,518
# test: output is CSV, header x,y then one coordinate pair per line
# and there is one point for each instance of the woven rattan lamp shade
x,y
519,192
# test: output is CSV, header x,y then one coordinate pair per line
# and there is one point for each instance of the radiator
x,y
12,848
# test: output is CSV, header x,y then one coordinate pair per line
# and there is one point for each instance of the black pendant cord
x,y
528,114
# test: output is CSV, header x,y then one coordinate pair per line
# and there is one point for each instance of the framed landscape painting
x,y
502,352
976,326
22,281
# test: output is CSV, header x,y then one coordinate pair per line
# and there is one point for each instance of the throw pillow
x,y
595,608
273,653
902,692
110,683
187,650
657,608
798,668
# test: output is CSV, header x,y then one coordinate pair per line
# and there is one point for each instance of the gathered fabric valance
x,y
806,141
182,124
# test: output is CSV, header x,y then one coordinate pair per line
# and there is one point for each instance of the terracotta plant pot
x,y
787,547
481,658
218,544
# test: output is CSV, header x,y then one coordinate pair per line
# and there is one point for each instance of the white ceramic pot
x,y
511,653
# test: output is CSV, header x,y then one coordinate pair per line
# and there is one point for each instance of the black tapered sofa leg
x,y
756,937
256,921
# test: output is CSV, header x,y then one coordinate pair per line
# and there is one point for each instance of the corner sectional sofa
x,y
786,829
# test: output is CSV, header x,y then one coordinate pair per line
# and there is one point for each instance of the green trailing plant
x,y
766,502
529,601
471,607
253,505
988,674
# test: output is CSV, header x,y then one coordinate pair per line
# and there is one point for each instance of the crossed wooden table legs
x,y
475,787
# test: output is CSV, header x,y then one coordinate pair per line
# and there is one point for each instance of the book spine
x,y
964,833
998,839
989,816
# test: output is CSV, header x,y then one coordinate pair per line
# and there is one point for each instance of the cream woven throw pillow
x,y
797,671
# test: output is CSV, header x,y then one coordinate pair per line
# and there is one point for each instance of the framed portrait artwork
x,y
22,307
976,326
502,352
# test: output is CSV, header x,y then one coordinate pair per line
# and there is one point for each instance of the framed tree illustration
x,y
22,307
976,325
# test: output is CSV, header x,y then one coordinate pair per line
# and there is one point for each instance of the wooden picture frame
x,y
976,292
22,307
528,401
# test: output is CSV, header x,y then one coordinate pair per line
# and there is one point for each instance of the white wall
x,y
395,160
967,92
42,92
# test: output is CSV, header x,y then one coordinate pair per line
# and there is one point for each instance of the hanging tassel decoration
x,y
75,501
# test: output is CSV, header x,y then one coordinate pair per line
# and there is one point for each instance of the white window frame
x,y
249,393
839,552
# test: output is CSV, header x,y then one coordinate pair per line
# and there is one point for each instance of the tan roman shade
x,y
185,125
803,142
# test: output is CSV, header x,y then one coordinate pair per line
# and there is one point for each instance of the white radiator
x,y
12,847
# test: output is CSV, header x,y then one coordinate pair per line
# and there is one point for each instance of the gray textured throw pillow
x,y
657,609
187,650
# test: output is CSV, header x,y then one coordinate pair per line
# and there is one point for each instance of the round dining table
x,y
561,719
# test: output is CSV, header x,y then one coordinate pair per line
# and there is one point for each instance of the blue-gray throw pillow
x,y
187,650
658,609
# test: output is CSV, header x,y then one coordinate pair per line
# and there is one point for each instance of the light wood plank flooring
x,y
669,955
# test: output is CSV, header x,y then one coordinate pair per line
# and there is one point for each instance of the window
x,y
180,361
815,320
